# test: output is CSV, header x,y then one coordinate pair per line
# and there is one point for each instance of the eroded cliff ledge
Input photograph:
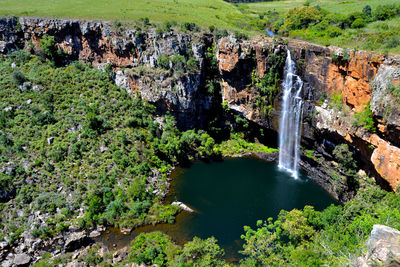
x,y
358,76
135,57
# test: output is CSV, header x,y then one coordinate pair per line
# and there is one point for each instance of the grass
x,y
202,12
379,36
245,17
334,6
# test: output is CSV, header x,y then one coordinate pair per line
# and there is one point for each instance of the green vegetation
x,y
202,12
370,25
365,119
336,101
70,130
237,146
268,86
335,236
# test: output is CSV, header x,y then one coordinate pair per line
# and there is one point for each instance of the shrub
x,y
367,11
190,26
18,77
345,159
153,248
393,42
20,56
384,12
192,64
241,36
163,61
365,119
334,32
336,101
179,63
200,252
358,23
58,153
45,118
48,46
94,122
301,18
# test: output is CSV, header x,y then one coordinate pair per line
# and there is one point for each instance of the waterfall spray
x,y
291,117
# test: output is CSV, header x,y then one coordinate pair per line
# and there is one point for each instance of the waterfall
x,y
291,117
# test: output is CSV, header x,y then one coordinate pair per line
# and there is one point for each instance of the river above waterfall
x,y
227,195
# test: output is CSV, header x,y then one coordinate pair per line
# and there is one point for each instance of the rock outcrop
x,y
383,248
358,76
76,241
133,54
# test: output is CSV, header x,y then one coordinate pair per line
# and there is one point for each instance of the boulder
x,y
94,234
120,255
76,241
182,206
384,243
383,248
75,264
22,259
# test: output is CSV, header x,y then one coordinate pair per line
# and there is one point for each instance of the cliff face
x,y
132,54
136,56
359,77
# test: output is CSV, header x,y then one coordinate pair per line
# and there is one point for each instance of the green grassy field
x,y
334,6
201,12
247,18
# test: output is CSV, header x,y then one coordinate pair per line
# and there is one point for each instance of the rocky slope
x,y
135,57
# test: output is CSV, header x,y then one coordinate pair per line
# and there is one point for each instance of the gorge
x,y
203,89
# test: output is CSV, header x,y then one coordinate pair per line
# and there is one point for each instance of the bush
x,y
190,26
345,159
200,252
393,42
192,65
49,49
358,23
18,77
336,101
384,12
179,63
163,61
20,56
367,11
365,119
301,18
153,248
334,32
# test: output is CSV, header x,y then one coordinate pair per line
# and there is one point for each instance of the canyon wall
x,y
135,57
357,77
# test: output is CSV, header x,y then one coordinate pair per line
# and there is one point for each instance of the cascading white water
x,y
291,117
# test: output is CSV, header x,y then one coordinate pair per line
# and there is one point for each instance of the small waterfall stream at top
x,y
291,117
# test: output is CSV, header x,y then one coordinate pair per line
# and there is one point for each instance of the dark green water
x,y
236,192
226,196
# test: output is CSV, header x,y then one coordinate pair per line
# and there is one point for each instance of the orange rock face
x,y
228,55
386,159
349,75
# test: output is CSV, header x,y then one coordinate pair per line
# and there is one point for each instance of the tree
x,y
200,252
50,51
367,11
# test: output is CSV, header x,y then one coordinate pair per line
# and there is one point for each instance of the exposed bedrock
x,y
156,66
360,77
